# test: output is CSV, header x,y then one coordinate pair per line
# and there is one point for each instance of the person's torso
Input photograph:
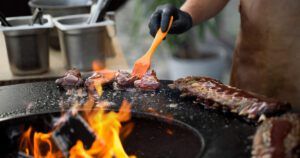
x,y
267,56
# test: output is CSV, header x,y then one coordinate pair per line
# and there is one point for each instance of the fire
x,y
106,126
41,146
107,143
97,65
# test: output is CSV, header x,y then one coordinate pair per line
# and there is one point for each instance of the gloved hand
x,y
161,17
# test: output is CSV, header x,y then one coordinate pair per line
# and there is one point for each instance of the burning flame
x,y
97,65
105,125
41,146
107,143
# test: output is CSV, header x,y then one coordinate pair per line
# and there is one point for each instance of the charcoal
x,y
74,128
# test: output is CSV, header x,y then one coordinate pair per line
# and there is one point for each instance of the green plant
x,y
178,44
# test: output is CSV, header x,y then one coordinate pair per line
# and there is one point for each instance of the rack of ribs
x,y
215,95
278,137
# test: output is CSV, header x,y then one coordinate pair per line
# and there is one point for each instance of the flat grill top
x,y
224,134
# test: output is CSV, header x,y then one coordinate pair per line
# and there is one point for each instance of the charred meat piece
x,y
216,95
124,79
99,78
71,79
278,137
148,82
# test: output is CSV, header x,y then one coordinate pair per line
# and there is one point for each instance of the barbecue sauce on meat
x,y
280,129
278,137
230,98
148,82
97,78
71,79
122,80
125,80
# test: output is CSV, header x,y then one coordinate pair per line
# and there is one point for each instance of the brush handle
x,y
159,37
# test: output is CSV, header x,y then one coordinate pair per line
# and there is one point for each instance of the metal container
x,y
81,43
27,46
61,7
58,8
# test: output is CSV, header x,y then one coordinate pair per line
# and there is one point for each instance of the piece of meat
x,y
278,137
148,82
216,95
71,79
99,78
125,79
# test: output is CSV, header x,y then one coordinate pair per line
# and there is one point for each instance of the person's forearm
x,y
201,10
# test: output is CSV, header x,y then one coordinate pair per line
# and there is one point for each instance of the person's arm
x,y
201,10
192,12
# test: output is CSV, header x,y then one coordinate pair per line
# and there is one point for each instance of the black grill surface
x,y
224,135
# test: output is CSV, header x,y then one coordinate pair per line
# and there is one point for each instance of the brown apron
x,y
267,56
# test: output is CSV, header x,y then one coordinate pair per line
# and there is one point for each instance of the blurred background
x,y
204,50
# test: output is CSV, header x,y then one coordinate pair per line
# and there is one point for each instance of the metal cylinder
x,y
27,46
58,8
83,43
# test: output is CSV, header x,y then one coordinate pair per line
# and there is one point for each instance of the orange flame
x,y
107,143
25,142
40,146
97,65
106,126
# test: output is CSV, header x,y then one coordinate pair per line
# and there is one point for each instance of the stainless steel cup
x,y
57,8
27,46
83,43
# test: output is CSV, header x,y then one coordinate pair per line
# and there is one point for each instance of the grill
x,y
196,132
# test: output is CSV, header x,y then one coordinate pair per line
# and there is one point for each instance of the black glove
x,y
161,17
